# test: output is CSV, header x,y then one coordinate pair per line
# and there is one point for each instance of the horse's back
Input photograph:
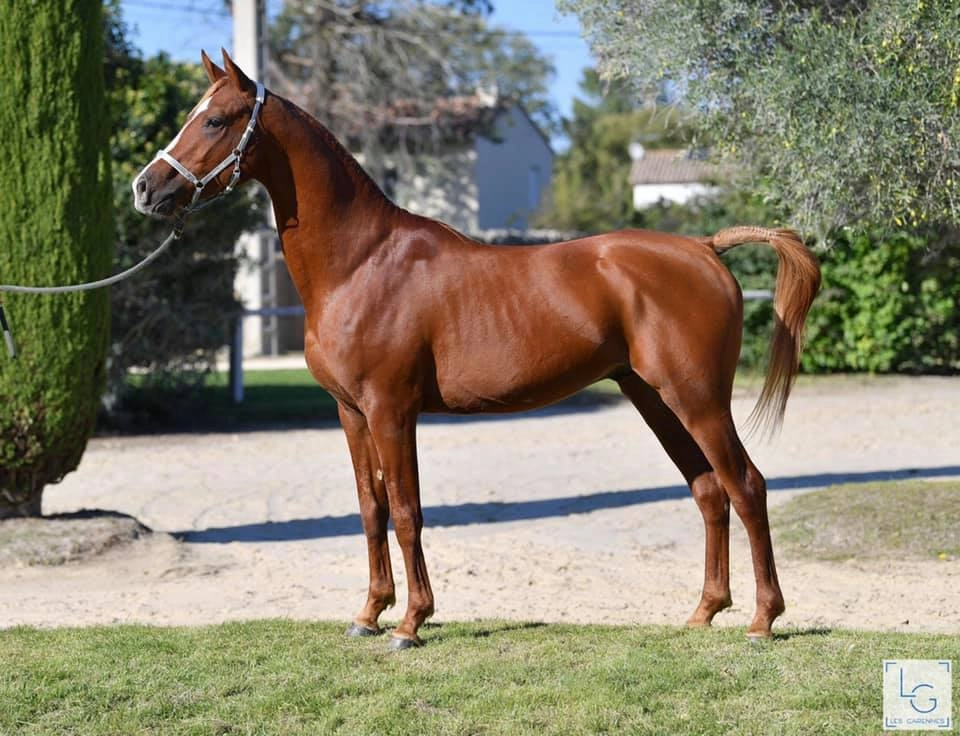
x,y
660,275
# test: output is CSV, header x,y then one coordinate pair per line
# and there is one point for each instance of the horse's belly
x,y
495,382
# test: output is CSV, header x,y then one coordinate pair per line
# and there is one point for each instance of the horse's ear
x,y
235,74
213,71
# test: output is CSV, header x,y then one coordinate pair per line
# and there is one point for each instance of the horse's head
x,y
204,159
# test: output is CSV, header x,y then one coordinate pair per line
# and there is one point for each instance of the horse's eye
x,y
214,122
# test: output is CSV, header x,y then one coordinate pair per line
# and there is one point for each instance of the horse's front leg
x,y
374,512
394,434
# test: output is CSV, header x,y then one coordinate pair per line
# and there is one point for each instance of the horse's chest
x,y
335,359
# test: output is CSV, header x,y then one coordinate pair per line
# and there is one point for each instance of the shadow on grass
x,y
801,633
440,631
500,512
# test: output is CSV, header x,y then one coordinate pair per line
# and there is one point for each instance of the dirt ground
x,y
573,514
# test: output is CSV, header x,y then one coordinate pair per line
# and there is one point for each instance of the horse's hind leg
x,y
374,512
707,491
711,426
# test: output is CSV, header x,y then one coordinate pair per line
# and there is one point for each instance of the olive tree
x,y
841,112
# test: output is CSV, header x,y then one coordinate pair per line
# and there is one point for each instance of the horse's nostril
x,y
141,186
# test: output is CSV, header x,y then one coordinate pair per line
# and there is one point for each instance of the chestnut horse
x,y
406,315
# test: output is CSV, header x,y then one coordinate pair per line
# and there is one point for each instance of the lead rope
x,y
16,289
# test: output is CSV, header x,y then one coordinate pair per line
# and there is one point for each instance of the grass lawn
x,y
916,518
279,677
287,395
290,678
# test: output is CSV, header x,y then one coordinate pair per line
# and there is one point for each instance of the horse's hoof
x,y
361,630
759,640
399,643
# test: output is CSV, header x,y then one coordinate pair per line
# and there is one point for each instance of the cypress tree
x,y
55,228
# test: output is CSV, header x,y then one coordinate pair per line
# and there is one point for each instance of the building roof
x,y
447,118
465,110
670,167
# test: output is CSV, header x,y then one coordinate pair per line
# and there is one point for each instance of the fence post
x,y
236,361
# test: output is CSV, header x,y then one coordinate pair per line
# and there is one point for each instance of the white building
x,y
494,182
669,175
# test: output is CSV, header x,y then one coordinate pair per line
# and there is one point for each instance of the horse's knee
x,y
407,523
374,522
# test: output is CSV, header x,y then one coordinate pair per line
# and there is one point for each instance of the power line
x,y
223,13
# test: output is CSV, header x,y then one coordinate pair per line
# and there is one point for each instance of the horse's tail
x,y
798,281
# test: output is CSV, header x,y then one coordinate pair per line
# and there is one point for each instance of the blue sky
x,y
183,27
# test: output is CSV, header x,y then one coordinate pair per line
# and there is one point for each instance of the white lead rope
x,y
16,289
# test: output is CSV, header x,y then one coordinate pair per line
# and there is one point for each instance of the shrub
x,y
891,304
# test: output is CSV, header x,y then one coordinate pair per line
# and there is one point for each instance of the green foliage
x,y
477,7
516,679
844,112
172,318
591,181
891,303
55,228
271,398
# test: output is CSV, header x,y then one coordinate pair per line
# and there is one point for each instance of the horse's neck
x,y
330,214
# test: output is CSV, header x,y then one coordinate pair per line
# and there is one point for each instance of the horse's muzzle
x,y
151,199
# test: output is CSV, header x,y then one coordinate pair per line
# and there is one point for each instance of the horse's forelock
x,y
205,100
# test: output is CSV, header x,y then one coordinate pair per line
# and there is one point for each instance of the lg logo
x,y
917,695
920,696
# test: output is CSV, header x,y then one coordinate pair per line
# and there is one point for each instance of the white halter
x,y
233,158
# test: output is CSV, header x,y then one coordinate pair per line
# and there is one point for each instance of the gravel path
x,y
563,515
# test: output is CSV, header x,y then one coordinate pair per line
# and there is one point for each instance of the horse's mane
x,y
329,140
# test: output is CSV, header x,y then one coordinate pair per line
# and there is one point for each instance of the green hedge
x,y
890,304
55,228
